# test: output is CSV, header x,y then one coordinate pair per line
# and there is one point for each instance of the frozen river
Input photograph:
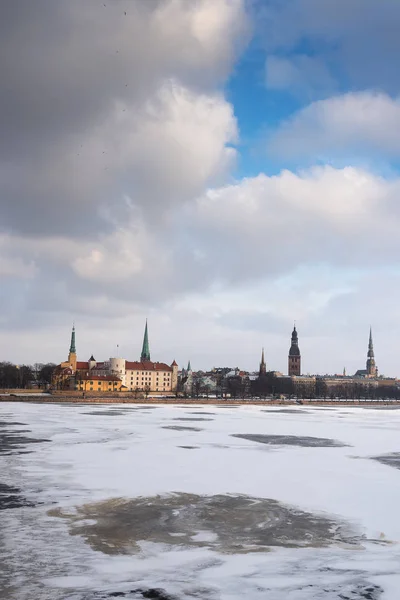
x,y
186,502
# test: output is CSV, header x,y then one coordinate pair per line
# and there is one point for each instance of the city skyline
x,y
294,358
223,176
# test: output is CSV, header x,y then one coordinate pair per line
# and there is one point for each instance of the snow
x,y
123,451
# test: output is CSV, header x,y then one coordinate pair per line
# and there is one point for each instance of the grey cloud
x,y
64,66
110,123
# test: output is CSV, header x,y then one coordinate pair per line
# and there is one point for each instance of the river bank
x,y
130,399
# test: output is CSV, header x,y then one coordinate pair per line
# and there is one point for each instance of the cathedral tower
x,y
294,362
372,369
145,348
263,366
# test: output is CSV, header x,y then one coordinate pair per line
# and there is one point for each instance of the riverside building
x,y
117,373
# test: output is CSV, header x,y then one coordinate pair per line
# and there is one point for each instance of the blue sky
x,y
222,168
275,78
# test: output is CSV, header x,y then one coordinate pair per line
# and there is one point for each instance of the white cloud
x,y
265,226
257,229
354,123
159,153
174,145
203,33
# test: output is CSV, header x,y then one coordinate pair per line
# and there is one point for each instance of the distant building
x,y
87,382
294,359
371,369
116,374
263,366
187,379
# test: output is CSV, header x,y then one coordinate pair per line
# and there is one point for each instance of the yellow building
x,y
116,374
87,382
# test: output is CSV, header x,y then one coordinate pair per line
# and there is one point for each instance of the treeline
x,y
272,386
25,376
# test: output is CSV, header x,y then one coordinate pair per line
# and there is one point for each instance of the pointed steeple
x,y
372,369
263,366
72,348
189,367
370,345
145,348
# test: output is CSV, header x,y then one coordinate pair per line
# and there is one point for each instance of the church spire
x,y
72,348
370,345
145,348
263,366
189,367
372,369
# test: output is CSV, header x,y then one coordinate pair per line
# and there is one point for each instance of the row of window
x,y
110,383
148,379
147,373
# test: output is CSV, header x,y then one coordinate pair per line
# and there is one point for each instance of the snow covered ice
x,y
213,503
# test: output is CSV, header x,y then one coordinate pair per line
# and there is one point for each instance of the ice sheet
x,y
130,453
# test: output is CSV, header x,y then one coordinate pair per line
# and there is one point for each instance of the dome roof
x,y
294,351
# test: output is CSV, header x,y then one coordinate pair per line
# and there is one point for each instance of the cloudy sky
x,y
221,167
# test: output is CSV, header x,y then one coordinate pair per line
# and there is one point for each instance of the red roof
x,y
88,376
174,364
81,366
147,365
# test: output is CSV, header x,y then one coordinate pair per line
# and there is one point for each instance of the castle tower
x,y
174,378
145,348
294,361
72,350
372,369
263,366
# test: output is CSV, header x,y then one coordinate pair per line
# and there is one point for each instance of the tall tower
x,y
263,366
294,362
72,350
145,348
372,369
174,378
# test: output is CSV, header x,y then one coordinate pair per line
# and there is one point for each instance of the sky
x,y
223,168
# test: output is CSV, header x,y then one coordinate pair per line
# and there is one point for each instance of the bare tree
x,y
45,374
